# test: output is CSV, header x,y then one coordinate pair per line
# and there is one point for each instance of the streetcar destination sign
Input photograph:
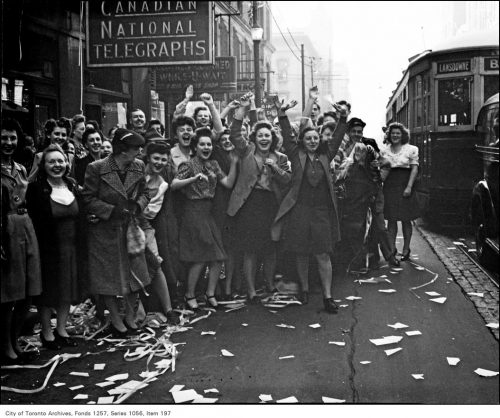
x,y
491,63
145,33
453,67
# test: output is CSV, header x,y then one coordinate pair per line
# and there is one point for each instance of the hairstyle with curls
x,y
156,122
328,125
42,174
404,132
181,121
156,148
199,109
200,133
94,123
90,131
219,136
75,120
52,124
267,125
10,124
345,103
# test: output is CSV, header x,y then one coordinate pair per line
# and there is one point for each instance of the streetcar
x,y
484,207
439,98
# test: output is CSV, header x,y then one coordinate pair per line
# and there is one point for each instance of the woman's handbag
x,y
136,238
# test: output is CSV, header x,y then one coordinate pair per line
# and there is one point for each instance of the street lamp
x,y
257,34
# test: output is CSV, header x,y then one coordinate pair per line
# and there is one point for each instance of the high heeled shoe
x,y
116,333
50,345
406,257
211,301
304,297
330,305
65,341
191,303
393,261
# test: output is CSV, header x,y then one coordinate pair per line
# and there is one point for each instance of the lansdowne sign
x,y
145,33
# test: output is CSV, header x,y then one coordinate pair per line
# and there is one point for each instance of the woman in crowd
x,y
92,140
106,148
53,206
21,277
263,173
307,220
200,240
114,192
78,126
400,203
56,132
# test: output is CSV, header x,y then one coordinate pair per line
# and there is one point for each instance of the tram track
x,y
493,277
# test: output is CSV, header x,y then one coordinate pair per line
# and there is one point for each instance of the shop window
x,y
490,86
454,102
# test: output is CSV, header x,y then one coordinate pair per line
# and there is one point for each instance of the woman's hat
x,y
128,137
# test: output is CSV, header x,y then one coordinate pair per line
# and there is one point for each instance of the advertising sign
x,y
145,33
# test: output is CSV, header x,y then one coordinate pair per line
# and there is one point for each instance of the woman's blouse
x,y
406,157
200,189
264,178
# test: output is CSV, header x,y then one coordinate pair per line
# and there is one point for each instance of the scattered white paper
x,y
453,361
471,250
365,362
418,376
451,248
290,399
205,400
397,325
57,384
387,290
285,326
326,399
244,325
265,398
226,353
81,374
114,378
99,366
438,300
383,276
211,390
392,351
397,269
340,343
343,306
458,243
273,311
485,373
478,294
127,387
353,297
104,384
315,326
433,293
181,396
207,332
81,396
105,399
392,339
149,375
76,387
492,325
176,388
285,357
419,267
412,333
163,364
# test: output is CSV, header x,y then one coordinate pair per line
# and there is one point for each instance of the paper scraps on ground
x,y
453,361
235,307
76,387
207,332
340,343
81,396
438,300
458,243
211,390
182,396
412,333
244,325
273,311
397,325
392,339
485,373
131,385
392,351
81,374
383,276
373,280
163,364
114,378
419,267
273,305
104,384
451,248
478,294
433,293
326,399
205,400
387,290
493,325
99,366
285,357
353,297
365,362
105,399
226,353
315,326
149,375
265,398
176,388
57,384
290,399
343,306
418,376
285,326
397,269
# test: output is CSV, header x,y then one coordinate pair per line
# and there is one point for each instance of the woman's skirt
x,y
253,222
397,207
308,230
200,239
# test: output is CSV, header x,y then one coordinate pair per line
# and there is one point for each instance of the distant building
x,y
460,17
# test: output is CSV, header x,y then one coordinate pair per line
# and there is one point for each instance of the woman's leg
x,y
229,270
250,269
7,313
193,276
45,316
302,262
19,315
161,289
270,269
325,274
407,233
213,277
62,317
392,231
114,313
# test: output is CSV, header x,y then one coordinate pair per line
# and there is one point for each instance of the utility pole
x,y
303,77
312,71
256,56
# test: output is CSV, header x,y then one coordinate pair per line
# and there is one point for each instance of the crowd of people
x,y
132,216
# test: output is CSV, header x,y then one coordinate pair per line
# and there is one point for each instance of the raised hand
x,y
314,93
246,99
342,110
189,92
234,104
207,99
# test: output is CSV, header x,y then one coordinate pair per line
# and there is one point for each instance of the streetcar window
x,y
454,102
490,86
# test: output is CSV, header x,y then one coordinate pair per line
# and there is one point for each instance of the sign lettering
x,y
453,67
491,64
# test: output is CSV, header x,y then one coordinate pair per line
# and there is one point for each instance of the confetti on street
x,y
452,361
392,351
397,325
485,372
332,400
393,339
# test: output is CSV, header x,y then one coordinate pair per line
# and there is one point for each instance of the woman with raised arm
x,y
307,220
262,175
200,240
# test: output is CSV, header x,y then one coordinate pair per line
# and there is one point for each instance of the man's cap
x,y
355,122
128,137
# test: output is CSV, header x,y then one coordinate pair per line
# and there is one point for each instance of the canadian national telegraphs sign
x,y
145,33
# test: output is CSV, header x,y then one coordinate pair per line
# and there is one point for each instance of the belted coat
x,y
111,270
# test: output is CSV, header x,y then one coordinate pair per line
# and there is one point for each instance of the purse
x,y
136,238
